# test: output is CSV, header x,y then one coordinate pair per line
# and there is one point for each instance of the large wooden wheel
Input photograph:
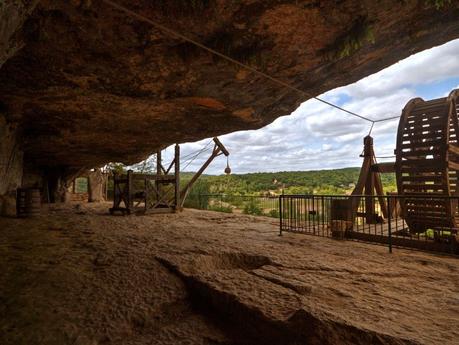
x,y
427,163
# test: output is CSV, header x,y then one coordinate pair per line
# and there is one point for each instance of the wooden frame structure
x,y
149,193
160,192
369,185
427,162
219,149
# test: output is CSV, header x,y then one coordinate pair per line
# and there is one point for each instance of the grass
x,y
353,40
439,4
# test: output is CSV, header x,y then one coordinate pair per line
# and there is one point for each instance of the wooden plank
x,y
425,132
431,140
423,150
434,163
429,114
423,187
428,169
431,178
453,149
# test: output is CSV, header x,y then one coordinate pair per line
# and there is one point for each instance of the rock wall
x,y
12,17
11,166
11,158
93,84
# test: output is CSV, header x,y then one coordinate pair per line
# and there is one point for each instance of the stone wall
x,y
11,166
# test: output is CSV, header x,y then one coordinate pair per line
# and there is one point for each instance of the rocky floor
x,y
76,275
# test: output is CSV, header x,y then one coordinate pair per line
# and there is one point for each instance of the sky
x,y
322,137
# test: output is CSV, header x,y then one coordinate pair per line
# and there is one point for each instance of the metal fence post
x,y
389,227
280,215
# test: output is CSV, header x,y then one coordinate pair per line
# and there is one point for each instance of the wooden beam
x,y
221,146
383,168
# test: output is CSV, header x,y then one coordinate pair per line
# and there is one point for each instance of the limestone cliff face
x,y
93,85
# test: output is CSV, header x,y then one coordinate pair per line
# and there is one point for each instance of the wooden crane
x,y
219,149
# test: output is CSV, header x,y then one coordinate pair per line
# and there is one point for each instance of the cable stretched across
x,y
198,152
174,33
191,160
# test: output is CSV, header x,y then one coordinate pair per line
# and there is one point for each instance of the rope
x,y
199,150
371,128
174,33
191,160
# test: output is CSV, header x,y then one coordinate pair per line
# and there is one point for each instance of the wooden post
x,y
129,197
370,182
106,185
177,202
158,172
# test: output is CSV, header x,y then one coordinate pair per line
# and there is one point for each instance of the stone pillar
x,y
96,185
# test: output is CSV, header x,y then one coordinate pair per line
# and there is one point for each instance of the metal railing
x,y
418,222
247,204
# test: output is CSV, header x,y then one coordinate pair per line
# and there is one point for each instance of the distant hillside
x,y
336,181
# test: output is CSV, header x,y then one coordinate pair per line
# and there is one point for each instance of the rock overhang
x,y
92,84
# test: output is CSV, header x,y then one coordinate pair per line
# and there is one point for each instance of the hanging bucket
x,y
227,169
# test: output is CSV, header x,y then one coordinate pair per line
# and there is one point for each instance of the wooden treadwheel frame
x,y
427,163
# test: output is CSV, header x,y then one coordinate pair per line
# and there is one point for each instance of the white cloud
x,y
426,67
